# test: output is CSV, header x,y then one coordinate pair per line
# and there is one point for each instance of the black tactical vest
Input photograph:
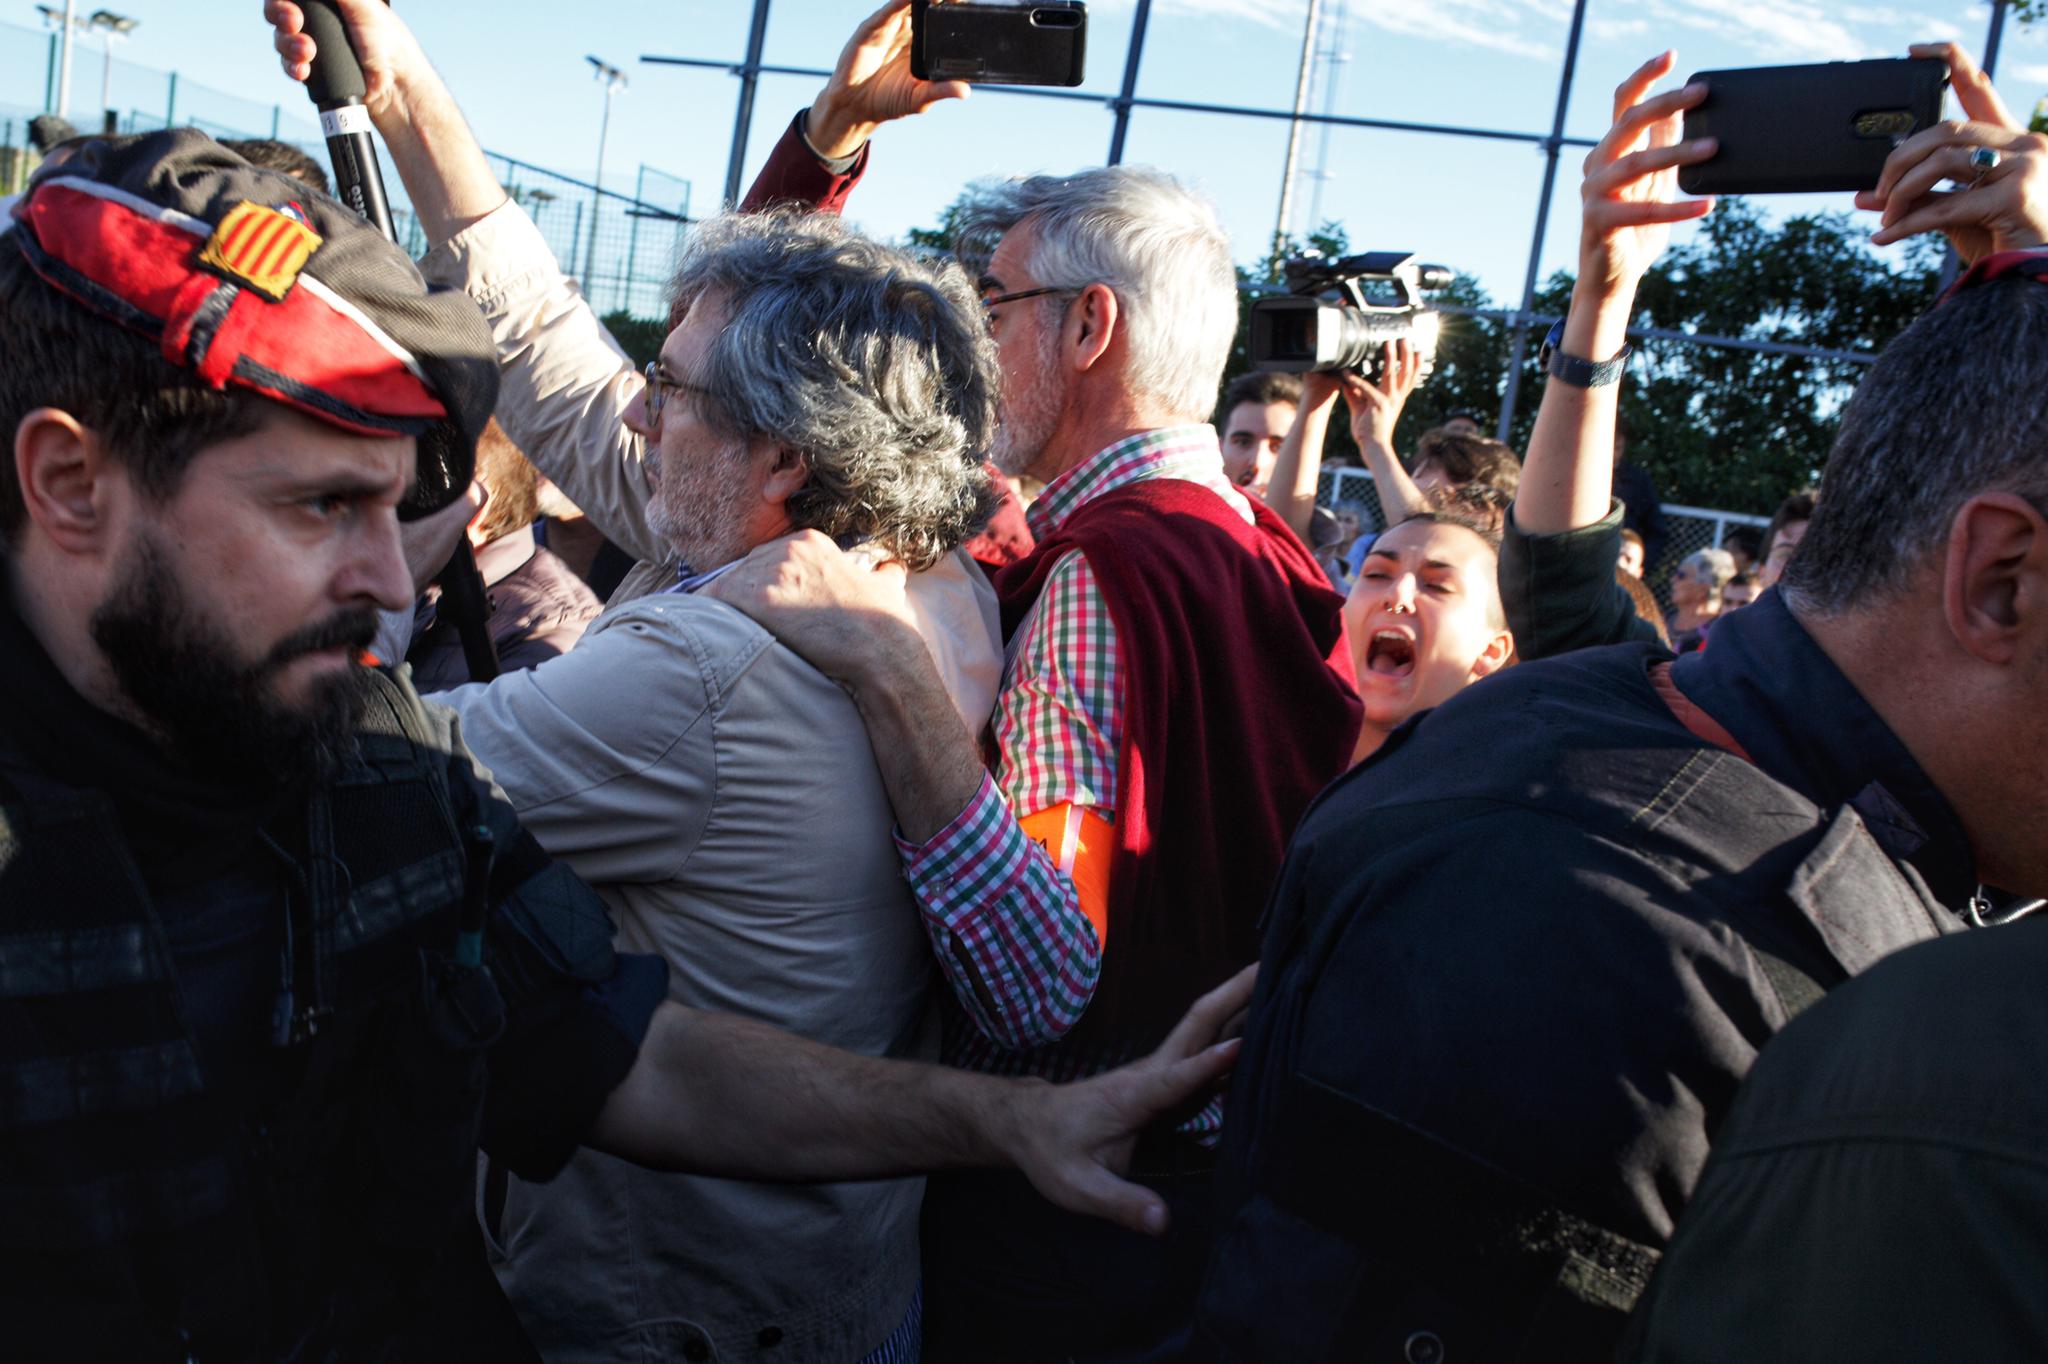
x,y
139,1219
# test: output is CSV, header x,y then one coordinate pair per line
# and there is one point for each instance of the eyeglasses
x,y
659,387
990,305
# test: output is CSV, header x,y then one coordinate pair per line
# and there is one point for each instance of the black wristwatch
x,y
1575,371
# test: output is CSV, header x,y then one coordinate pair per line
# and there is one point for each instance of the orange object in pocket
x,y
1082,844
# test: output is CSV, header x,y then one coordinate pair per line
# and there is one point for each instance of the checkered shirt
x,y
1022,958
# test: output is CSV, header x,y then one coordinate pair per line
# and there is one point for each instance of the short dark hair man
x,y
1886,1144
1782,536
1256,410
1478,1090
278,955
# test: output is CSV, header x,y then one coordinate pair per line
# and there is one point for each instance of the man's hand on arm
x,y
1629,203
724,1096
853,624
437,157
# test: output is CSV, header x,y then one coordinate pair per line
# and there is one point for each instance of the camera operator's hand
x,y
2003,208
872,85
1376,407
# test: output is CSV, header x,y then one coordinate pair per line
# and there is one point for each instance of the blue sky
x,y
517,67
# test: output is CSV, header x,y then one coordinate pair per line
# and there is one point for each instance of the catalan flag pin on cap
x,y
247,278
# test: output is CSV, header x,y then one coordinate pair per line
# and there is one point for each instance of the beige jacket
x,y
721,795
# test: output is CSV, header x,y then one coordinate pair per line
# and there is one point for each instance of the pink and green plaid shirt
x,y
1009,933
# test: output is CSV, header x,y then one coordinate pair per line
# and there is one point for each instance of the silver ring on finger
x,y
1983,160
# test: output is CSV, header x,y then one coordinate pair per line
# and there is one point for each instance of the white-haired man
x,y
1114,862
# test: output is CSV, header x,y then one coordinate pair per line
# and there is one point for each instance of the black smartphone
x,y
999,44
1810,129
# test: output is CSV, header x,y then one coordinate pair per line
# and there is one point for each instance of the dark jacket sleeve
x,y
576,1011
795,177
1559,591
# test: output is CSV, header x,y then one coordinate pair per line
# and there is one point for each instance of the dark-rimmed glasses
x,y
659,388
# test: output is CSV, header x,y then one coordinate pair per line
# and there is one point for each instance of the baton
x,y
337,89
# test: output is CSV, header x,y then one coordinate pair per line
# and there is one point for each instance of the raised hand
x,y
2002,206
1376,407
872,85
1630,191
384,46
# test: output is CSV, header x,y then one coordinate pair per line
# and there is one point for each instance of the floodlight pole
x,y
614,81
743,122
64,61
1519,348
1308,53
1122,103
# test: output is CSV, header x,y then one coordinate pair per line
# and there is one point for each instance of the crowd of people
x,y
961,858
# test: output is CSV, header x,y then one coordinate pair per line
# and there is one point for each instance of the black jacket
x,y
249,1047
1523,959
1879,1191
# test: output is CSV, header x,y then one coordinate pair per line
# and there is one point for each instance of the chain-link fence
x,y
621,246
1686,529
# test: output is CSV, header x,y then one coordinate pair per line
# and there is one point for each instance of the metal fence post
x,y
633,236
1122,103
750,77
171,104
1510,390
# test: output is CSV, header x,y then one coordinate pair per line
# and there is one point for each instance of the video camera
x,y
1340,314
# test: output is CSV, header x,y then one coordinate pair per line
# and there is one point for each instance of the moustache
x,y
354,629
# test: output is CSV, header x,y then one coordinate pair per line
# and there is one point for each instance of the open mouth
x,y
1390,653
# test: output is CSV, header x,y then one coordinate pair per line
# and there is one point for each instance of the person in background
x,y
1787,529
1741,590
1463,424
1630,560
538,607
1424,619
1256,411
1696,586
1746,544
1642,507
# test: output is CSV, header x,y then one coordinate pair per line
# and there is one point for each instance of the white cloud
x,y
1613,30
1491,24
2038,73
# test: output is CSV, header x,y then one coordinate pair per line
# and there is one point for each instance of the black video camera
x,y
1340,314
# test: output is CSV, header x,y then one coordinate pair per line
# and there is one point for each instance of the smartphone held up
x,y
1809,129
999,44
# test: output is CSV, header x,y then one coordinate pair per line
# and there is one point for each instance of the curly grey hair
x,y
873,366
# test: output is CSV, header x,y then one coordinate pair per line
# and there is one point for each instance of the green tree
x,y
1737,429
639,337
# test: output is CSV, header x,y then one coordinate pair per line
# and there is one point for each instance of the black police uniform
x,y
1514,971
247,1054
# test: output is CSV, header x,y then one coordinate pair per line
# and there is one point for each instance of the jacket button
x,y
1423,1348
770,1337
696,1350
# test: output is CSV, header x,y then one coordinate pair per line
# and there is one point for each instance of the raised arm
x,y
1629,203
1298,464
